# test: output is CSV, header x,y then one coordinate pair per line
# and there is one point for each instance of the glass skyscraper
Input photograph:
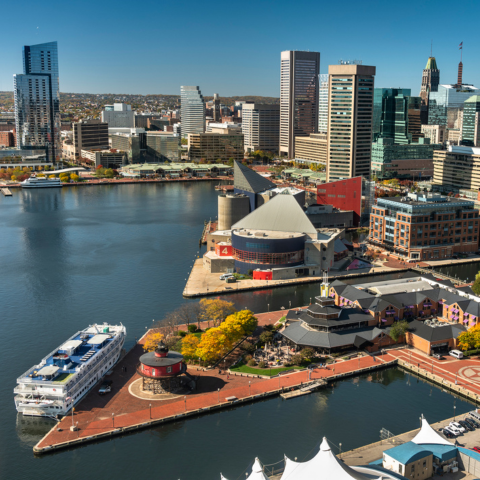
x,y
470,129
37,100
390,113
192,110
446,105
323,104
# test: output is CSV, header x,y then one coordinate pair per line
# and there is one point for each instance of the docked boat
x,y
67,374
41,182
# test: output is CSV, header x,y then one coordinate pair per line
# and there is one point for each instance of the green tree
x,y
109,173
184,141
398,329
476,284
307,354
266,337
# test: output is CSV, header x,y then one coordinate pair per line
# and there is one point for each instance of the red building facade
x,y
344,195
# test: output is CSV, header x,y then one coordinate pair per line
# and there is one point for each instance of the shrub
x,y
268,328
297,359
248,347
248,358
307,354
287,364
262,364
192,328
252,363
469,353
181,333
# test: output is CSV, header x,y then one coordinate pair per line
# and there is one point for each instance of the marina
x,y
59,240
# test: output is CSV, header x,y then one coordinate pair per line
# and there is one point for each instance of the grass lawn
x,y
264,371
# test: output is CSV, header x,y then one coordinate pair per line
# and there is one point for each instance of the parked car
x,y
475,415
472,422
457,426
456,354
224,276
438,356
450,431
466,426
448,434
477,449
106,387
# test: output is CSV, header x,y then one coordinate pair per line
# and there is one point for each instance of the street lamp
x,y
454,407
185,400
218,395
113,420
249,389
150,411
340,448
456,374
268,305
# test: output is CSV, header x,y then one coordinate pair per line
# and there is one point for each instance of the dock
x,y
98,418
6,191
304,390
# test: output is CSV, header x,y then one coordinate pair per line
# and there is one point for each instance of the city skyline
x,y
192,58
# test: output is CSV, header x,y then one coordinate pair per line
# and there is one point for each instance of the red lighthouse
x,y
160,368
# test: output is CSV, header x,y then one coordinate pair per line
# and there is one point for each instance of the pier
x,y
6,192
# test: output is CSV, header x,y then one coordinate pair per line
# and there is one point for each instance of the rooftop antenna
x,y
431,48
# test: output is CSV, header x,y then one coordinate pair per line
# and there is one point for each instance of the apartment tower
x,y
350,116
37,101
260,126
323,104
298,97
192,110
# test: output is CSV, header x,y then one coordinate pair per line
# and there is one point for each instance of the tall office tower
x,y
350,114
192,110
118,115
37,101
323,104
415,118
261,127
216,108
298,97
471,127
430,79
390,114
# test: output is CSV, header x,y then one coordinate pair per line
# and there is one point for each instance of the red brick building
x,y
7,139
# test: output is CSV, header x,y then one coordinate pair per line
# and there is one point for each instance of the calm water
x,y
75,256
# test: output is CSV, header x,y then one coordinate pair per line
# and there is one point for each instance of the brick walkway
x,y
94,414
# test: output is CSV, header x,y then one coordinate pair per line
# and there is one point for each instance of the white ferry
x,y
41,182
66,375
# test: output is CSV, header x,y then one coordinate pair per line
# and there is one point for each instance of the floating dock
x,y
6,192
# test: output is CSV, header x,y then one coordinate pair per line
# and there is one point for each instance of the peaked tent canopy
x,y
280,214
427,435
257,471
323,466
248,180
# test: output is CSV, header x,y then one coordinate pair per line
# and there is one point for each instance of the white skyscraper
x,y
192,111
323,104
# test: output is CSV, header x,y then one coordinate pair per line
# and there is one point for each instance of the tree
x,y
215,310
476,284
266,337
189,345
398,329
297,359
14,178
239,324
74,177
213,344
152,340
109,173
308,354
184,141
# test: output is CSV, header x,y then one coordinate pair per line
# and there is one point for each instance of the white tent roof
x,y
257,471
427,435
324,466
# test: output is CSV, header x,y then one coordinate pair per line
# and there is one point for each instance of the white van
x,y
475,415
456,354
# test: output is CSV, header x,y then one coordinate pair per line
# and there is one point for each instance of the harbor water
x,y
74,256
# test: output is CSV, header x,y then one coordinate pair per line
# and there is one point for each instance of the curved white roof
x,y
323,466
427,435
257,471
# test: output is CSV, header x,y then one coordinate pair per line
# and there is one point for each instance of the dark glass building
x,y
471,113
37,101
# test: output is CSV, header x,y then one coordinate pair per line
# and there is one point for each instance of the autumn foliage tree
x,y
215,310
152,340
470,339
189,345
217,341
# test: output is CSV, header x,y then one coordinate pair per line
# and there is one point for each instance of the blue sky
x,y
233,48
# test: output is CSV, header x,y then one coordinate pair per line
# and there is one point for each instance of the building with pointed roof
x,y
430,79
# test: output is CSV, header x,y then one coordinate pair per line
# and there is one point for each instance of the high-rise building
x,y
470,125
446,105
118,115
350,115
261,127
163,146
457,168
323,104
430,79
415,118
37,101
89,135
298,97
193,110
312,149
216,108
212,147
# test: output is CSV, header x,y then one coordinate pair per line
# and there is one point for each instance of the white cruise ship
x,y
41,182
66,375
